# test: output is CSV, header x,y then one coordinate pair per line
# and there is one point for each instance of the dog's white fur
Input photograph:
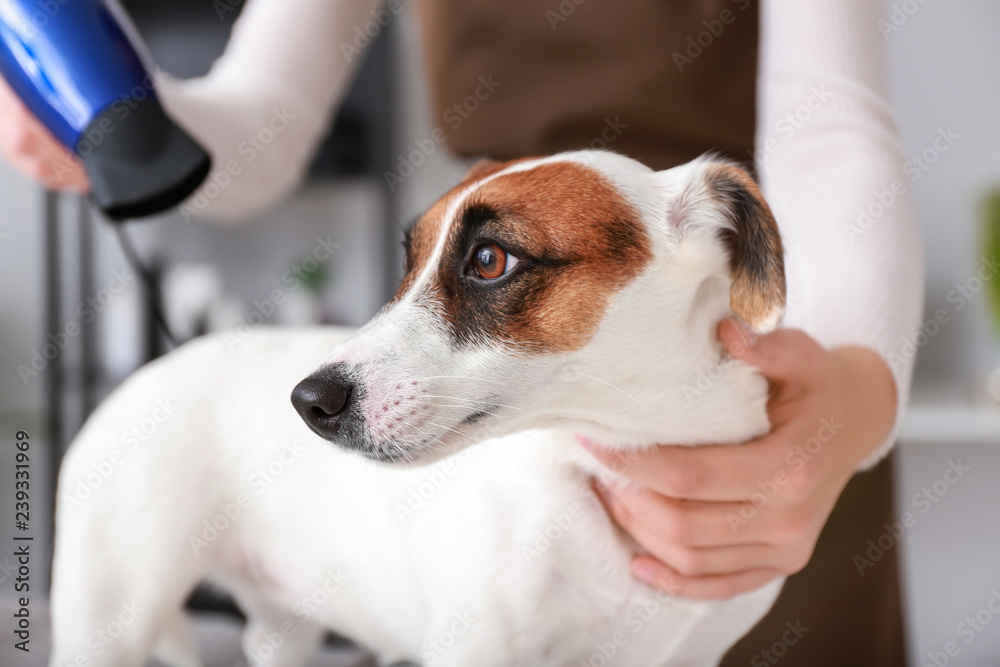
x,y
498,555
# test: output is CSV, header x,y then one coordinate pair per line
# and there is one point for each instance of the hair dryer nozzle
x,y
139,161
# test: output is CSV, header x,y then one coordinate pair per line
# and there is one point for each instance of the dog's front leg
x,y
288,643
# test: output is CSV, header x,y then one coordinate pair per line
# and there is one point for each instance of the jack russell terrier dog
x,y
451,521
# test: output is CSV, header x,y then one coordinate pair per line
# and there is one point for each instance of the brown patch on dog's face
x,y
756,257
576,241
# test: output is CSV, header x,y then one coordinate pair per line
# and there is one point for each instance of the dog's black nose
x,y
322,398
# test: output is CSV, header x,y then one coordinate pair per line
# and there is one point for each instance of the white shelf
x,y
951,424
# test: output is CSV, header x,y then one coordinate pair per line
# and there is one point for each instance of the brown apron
x,y
566,71
662,81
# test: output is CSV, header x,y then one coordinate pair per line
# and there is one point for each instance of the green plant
x,y
991,248
313,279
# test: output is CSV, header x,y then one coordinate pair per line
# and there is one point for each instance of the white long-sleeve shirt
x,y
828,151
831,164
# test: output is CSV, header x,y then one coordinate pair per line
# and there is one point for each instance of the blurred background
x,y
331,254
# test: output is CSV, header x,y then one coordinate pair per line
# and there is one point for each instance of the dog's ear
x,y
756,257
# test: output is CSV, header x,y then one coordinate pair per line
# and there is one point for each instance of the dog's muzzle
x,y
324,399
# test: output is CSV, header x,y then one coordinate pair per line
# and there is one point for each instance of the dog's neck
x,y
655,373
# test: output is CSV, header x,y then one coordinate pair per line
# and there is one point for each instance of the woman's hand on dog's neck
x,y
717,521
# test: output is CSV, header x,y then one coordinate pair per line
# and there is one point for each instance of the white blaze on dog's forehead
x,y
451,213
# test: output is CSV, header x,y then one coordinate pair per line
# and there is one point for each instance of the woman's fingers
x,y
32,149
714,587
692,523
716,473
697,541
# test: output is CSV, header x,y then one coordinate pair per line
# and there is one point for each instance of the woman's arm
x,y
267,101
827,150
832,167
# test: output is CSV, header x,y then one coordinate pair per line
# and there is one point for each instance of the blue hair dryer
x,y
76,66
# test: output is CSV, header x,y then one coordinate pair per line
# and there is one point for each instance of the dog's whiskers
x,y
422,431
448,405
491,413
474,401
459,377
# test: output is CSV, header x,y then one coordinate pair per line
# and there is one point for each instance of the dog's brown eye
x,y
491,261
